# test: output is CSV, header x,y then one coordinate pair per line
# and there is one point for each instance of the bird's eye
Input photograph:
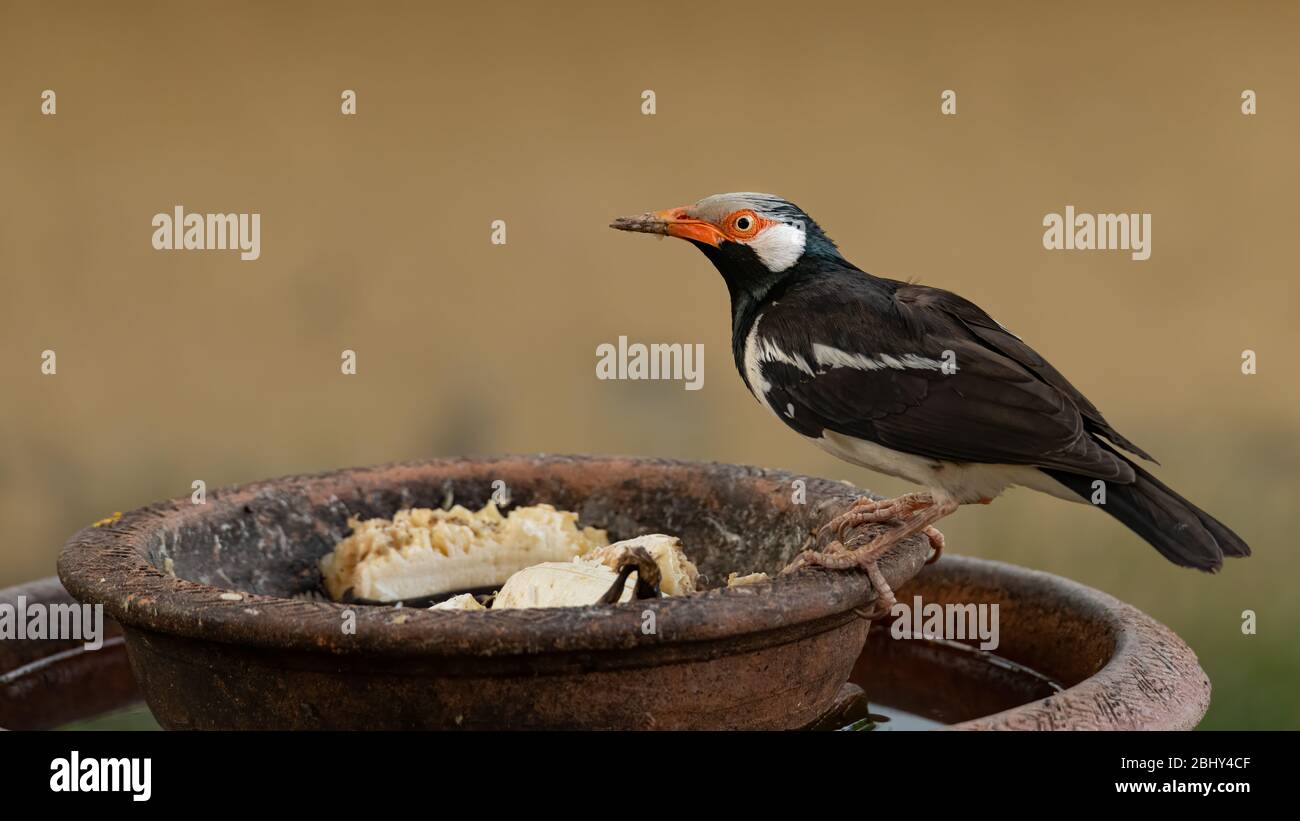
x,y
744,224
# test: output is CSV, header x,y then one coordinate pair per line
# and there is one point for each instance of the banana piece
x,y
737,580
586,579
560,584
678,576
422,552
537,554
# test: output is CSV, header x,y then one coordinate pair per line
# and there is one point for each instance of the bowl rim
x,y
107,563
1151,679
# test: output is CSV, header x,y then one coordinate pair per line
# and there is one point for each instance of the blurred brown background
x,y
175,366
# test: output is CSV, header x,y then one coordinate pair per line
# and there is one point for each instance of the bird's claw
x,y
936,543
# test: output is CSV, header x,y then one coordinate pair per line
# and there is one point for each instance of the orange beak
x,y
672,223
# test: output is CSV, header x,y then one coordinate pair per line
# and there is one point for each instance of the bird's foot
x,y
913,513
882,511
867,511
838,557
861,512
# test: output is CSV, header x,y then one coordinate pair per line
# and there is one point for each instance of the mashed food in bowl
x,y
536,556
424,552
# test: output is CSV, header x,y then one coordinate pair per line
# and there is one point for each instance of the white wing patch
x,y
769,352
828,358
753,365
762,349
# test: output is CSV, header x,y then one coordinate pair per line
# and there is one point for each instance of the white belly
x,y
965,482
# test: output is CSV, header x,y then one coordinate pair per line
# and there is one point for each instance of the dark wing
x,y
997,338
991,409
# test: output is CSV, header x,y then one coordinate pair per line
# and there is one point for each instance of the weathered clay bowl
x,y
223,643
1120,668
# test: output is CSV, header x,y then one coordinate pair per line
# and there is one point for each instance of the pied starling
x,y
918,383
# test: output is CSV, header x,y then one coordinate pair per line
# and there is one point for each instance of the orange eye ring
x,y
744,224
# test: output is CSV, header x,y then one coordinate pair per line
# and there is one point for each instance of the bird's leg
x,y
916,512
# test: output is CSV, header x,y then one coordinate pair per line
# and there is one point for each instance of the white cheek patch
x,y
779,246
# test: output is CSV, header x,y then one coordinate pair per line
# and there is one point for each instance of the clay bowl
x,y
1119,669
224,643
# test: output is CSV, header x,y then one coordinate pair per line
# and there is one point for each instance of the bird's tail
x,y
1182,532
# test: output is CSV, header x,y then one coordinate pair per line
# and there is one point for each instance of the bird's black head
x,y
754,240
